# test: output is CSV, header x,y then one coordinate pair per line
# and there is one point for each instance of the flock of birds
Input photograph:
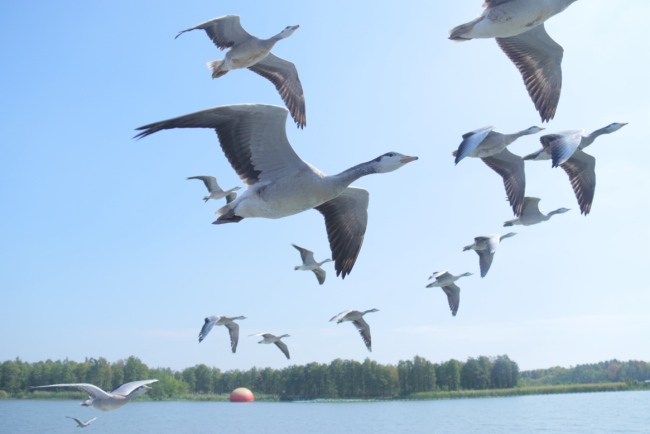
x,y
279,183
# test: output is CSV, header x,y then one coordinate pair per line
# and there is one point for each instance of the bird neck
x,y
350,175
509,138
589,138
551,214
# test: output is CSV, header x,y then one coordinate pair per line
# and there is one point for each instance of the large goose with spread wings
x,y
280,183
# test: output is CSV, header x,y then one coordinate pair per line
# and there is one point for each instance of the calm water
x,y
612,412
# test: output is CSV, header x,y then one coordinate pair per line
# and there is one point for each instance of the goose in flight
x,y
356,316
531,215
491,147
485,246
273,339
280,183
309,263
81,424
247,51
518,27
106,401
445,280
214,191
229,322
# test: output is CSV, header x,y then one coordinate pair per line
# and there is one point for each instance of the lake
x,y
609,412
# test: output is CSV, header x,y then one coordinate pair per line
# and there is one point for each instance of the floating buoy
x,y
241,394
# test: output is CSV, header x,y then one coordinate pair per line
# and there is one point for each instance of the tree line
x,y
340,379
602,372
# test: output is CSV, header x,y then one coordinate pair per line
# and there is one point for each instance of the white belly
x,y
514,18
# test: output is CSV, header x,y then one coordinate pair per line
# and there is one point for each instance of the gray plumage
x,y
531,215
485,247
445,280
310,264
81,424
356,317
214,191
269,338
228,322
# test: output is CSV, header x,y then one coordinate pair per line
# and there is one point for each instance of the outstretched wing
x,y
233,328
224,32
471,141
306,255
126,389
511,168
364,330
209,181
283,348
92,390
453,297
581,168
207,326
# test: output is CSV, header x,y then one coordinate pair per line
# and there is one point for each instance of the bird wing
x,y
485,258
126,389
320,275
207,326
224,32
252,136
493,3
538,155
80,423
511,168
92,390
346,218
231,196
531,206
581,168
89,421
233,328
538,58
364,331
471,141
306,255
209,181
562,145
340,316
453,297
284,76
283,348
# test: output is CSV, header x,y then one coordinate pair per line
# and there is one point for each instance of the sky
x,y
106,250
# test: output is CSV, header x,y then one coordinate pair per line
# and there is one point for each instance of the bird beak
x,y
407,159
295,27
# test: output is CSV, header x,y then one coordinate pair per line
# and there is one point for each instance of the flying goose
x,y
309,263
229,322
485,246
362,326
280,184
518,27
214,191
106,401
445,280
491,147
273,339
531,215
248,51
81,424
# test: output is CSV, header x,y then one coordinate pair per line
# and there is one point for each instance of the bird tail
x,y
456,34
215,66
227,215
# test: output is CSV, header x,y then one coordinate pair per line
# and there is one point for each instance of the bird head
x,y
288,31
391,161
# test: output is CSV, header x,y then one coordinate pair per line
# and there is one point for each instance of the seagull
x,y
214,191
81,424
531,214
445,280
362,326
309,263
229,322
106,401
485,246
273,339
491,147
518,27
247,51
280,183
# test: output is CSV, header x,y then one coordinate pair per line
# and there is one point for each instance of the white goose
x,y
310,264
248,51
105,401
485,246
273,339
356,317
531,214
518,26
80,423
214,191
445,280
280,183
491,147
229,322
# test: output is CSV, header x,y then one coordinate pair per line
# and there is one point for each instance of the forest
x,y
340,379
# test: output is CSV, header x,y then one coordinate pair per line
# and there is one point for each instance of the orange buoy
x,y
241,394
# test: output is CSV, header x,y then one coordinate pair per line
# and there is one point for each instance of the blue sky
x,y
107,251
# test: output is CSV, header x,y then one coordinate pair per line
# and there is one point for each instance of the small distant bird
x,y
81,424
531,215
106,401
491,147
214,191
229,322
362,326
445,280
309,263
485,246
518,27
248,51
273,339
